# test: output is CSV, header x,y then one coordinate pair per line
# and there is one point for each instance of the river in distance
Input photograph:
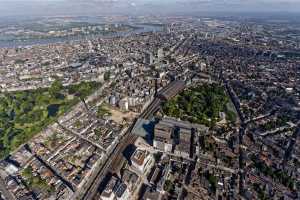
x,y
31,42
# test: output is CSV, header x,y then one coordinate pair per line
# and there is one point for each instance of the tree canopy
x,y
25,113
201,104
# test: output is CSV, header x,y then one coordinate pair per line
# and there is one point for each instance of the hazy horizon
x,y
9,8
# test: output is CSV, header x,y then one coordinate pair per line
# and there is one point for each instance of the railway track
x,y
116,156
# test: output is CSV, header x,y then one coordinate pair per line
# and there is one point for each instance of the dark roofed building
x,y
121,191
185,135
155,176
163,137
171,90
169,132
115,190
184,146
150,194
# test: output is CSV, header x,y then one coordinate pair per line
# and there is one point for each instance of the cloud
x,y
99,7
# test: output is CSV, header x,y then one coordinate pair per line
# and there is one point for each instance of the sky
x,y
102,7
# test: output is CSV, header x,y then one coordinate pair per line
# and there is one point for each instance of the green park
x,y
23,114
201,104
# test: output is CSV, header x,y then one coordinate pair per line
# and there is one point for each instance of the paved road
x,y
90,189
82,137
242,129
56,172
114,160
116,155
